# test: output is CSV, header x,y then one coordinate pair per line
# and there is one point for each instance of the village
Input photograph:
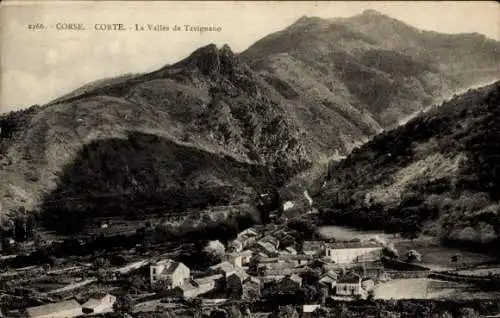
x,y
262,269
253,265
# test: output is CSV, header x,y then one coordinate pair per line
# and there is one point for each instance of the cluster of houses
x,y
253,260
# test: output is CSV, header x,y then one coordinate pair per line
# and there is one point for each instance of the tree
x,y
390,251
287,311
123,304
371,295
234,312
443,314
196,306
468,313
413,256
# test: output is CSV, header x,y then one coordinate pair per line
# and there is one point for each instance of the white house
x,y
349,285
174,272
353,252
235,259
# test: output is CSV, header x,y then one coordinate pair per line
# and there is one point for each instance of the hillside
x,y
287,105
209,104
439,173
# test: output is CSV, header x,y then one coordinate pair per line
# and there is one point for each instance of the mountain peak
x,y
307,20
371,15
372,12
210,60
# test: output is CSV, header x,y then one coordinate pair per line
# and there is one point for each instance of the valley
x,y
348,163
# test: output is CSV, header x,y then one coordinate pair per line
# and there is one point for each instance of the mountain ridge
x,y
293,99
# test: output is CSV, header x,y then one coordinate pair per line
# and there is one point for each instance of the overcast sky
x,y
38,66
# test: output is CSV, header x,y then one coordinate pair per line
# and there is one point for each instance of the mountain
x,y
211,122
372,66
439,173
365,74
283,108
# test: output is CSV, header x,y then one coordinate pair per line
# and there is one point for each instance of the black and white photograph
x,y
244,159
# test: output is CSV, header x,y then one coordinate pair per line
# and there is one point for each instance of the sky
x,y
37,66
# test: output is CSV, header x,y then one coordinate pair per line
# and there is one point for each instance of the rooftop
x,y
224,266
312,245
349,279
206,279
189,284
240,274
267,246
252,279
329,277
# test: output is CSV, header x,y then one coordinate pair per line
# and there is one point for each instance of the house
x,y
266,247
63,309
246,255
243,239
367,284
278,265
234,284
312,247
373,272
194,287
284,271
99,305
216,281
349,285
225,268
271,239
189,288
353,252
299,260
329,279
171,271
235,246
291,281
236,259
251,288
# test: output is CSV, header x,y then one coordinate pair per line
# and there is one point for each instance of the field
x,y
425,288
438,257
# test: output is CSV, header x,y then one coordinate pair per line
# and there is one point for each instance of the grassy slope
x,y
440,171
